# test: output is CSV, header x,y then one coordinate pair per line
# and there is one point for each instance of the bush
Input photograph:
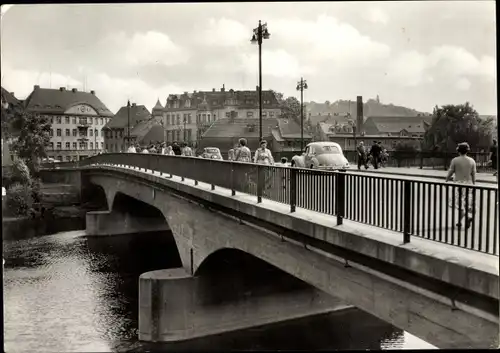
x,y
20,172
19,200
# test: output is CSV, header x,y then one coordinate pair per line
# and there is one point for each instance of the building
x,y
138,118
187,116
77,121
8,102
224,133
287,138
402,126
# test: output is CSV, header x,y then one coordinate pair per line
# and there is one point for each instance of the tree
x,y
33,137
452,124
290,109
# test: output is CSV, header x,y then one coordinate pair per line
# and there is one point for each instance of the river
x,y
67,292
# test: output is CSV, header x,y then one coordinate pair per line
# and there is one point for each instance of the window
x,y
73,120
96,132
59,145
249,114
102,145
66,120
189,134
51,120
89,120
67,145
81,145
68,158
228,114
91,131
106,146
101,120
178,135
74,132
51,145
58,132
82,121
74,145
91,145
68,133
208,116
271,113
83,133
178,119
51,132
187,104
189,118
58,119
264,114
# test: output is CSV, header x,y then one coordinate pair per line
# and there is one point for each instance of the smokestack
x,y
73,90
36,87
92,92
359,114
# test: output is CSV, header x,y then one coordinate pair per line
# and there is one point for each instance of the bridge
x,y
384,245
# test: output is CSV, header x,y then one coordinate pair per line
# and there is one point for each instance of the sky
x,y
417,54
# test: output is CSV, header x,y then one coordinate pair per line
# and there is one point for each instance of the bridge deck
x,y
470,258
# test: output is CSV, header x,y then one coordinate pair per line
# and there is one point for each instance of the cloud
x,y
144,49
451,64
376,15
327,39
463,84
277,63
224,33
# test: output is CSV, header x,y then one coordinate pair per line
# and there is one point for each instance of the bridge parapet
x,y
414,208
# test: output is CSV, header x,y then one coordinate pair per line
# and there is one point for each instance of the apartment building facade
x,y
77,120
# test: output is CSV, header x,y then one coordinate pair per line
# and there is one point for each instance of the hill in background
x,y
372,107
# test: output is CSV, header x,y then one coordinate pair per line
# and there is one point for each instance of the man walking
x,y
493,156
362,155
375,153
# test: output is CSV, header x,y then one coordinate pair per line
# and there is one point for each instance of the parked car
x,y
321,155
211,153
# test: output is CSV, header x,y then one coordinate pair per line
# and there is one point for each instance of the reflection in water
x,y
69,292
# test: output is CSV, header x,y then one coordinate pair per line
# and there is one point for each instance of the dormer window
x,y
187,103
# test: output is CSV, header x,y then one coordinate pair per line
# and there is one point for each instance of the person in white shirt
x,y
186,150
463,168
131,149
145,150
263,155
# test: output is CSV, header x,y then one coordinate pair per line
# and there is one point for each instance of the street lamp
x,y
128,122
259,34
301,86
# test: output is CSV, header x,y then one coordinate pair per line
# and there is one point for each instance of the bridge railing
x,y
426,209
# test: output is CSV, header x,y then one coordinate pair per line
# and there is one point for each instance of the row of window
x,y
67,158
178,135
74,132
175,119
114,147
116,133
81,120
229,101
81,145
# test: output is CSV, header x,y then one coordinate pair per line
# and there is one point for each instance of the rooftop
x,y
57,101
394,124
8,97
138,113
248,127
289,129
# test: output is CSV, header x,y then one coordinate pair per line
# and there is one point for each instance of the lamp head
x,y
298,87
266,34
305,85
253,40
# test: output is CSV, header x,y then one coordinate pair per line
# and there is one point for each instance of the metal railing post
x,y
233,190
260,183
340,196
293,189
407,210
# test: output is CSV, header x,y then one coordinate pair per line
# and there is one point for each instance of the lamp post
x,y
301,86
128,123
184,131
259,34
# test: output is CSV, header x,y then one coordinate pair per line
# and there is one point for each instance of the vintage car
x,y
211,153
321,155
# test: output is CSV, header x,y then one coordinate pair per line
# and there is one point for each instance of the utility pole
x,y
301,86
128,122
259,34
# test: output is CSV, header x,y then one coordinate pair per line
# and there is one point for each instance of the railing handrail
x,y
389,177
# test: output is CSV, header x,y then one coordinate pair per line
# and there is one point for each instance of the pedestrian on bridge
x,y
463,168
243,153
362,158
177,149
493,156
375,153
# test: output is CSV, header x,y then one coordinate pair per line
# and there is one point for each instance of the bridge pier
x,y
114,223
175,306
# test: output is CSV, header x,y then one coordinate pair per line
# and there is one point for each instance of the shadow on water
x,y
71,292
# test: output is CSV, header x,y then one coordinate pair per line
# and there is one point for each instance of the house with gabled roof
x,y
287,137
77,119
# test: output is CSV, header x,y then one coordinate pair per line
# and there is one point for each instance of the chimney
x,y
62,89
185,92
213,89
194,91
36,87
133,104
12,93
257,88
73,90
223,89
359,114
92,92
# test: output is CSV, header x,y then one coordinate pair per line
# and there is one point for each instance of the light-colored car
x,y
211,153
321,155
